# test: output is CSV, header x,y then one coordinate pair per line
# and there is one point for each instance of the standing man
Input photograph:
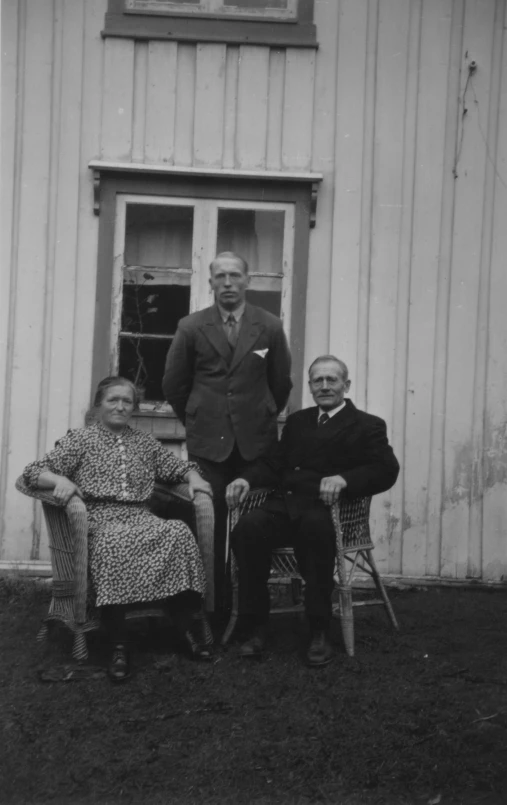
x,y
227,376
328,450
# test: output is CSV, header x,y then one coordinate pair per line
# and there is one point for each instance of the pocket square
x,y
261,352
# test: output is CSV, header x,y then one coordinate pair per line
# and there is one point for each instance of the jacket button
x,y
297,468
229,393
289,492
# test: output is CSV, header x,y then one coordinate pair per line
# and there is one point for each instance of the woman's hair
x,y
109,382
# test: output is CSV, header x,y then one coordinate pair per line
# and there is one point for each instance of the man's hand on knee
x,y
236,492
330,489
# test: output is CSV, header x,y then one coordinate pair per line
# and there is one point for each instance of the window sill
x,y
272,33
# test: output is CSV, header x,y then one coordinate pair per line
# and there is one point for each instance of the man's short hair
x,y
230,256
324,358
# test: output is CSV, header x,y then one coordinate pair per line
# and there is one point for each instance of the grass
x,y
419,717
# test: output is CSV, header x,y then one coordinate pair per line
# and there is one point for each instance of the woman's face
x,y
116,407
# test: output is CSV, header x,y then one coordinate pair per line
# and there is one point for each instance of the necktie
x,y
323,418
232,330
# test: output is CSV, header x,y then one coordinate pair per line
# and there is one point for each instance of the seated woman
x,y
134,556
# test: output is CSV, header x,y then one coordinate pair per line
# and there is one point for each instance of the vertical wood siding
x,y
407,274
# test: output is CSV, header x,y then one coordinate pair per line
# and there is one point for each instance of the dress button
x,y
124,475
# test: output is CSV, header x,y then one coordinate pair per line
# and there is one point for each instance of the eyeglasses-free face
x,y
327,385
116,407
229,282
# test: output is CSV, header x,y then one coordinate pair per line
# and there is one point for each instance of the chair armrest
x,y
68,534
204,517
351,521
44,495
254,499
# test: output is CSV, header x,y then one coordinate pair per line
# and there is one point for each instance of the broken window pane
x,y
156,289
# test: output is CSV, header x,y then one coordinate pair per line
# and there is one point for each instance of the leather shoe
x,y
253,647
118,669
319,651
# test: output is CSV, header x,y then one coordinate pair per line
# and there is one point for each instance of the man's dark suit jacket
x,y
352,444
223,397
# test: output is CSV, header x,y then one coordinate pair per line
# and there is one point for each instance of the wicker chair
x,y
353,543
71,602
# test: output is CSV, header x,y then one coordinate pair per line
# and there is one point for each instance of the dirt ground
x,y
415,717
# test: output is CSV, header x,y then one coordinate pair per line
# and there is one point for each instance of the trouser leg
x,y
314,548
113,616
252,541
219,475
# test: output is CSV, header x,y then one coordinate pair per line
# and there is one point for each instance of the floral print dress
x,y
134,555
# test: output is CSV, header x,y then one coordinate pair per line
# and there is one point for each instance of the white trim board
x,y
219,173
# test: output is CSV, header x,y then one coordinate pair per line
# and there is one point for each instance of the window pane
x,y
257,235
156,289
142,360
154,308
159,235
268,300
264,4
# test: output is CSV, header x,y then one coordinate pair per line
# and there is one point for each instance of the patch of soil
x,y
415,717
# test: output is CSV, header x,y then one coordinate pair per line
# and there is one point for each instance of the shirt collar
x,y
333,411
238,313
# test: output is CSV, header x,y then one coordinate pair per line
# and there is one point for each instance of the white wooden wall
x,y
407,278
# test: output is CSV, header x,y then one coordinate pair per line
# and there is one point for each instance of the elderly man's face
x,y
229,282
327,385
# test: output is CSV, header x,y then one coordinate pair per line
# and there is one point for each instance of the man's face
x,y
327,385
229,282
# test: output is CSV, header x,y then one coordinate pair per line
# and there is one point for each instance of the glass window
x,y
156,290
163,248
257,235
274,9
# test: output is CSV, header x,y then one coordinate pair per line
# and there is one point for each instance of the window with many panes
x,y
157,236
163,247
267,9
275,9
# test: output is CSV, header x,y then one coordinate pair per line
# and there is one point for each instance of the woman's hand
x,y
64,490
197,484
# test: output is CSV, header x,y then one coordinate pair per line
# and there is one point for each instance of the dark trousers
x,y
220,474
312,536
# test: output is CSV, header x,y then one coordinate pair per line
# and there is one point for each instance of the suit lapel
x,y
250,331
214,332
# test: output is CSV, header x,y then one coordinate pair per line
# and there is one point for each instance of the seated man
x,y
324,451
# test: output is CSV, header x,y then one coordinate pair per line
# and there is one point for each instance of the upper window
x,y
279,23
257,9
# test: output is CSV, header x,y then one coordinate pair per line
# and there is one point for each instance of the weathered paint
x,y
407,273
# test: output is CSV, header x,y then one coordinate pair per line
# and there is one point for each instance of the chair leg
x,y
43,632
347,617
80,649
382,590
234,614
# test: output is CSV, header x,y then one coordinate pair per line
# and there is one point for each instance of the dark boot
x,y
118,669
319,651
254,645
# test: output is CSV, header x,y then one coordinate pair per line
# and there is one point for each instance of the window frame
x,y
204,235
192,26
114,182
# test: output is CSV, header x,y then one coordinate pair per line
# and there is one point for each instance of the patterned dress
x,y
134,555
